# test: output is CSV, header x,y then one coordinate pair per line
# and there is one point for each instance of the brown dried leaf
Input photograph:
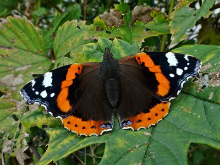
x,y
21,156
113,18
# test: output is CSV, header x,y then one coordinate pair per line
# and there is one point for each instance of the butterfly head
x,y
107,54
109,67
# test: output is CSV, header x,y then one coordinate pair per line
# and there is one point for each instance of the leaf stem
x,y
92,154
35,152
164,37
85,155
55,6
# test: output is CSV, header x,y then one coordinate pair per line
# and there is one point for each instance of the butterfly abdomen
x,y
112,91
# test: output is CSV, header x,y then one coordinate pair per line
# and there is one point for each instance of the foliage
x,y
47,38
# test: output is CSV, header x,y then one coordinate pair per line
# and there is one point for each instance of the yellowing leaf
x,y
22,52
184,18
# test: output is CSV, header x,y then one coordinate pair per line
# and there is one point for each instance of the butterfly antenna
x,y
90,38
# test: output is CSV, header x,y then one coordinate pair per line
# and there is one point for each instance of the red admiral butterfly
x,y
138,88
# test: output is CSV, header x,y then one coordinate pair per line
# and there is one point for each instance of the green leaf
x,y
39,119
185,2
99,22
192,119
159,25
39,12
135,33
6,109
22,52
122,7
6,6
94,52
72,12
184,18
127,18
69,37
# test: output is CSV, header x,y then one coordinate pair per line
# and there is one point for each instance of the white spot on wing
x,y
33,82
37,93
186,57
171,59
47,82
179,71
52,94
185,68
43,94
171,75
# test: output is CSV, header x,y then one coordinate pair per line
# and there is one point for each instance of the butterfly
x,y
137,88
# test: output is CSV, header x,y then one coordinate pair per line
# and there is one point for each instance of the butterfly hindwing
x,y
75,94
87,127
148,116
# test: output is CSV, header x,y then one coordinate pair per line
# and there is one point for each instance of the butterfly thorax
x,y
109,73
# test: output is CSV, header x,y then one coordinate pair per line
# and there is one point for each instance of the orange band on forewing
x,y
164,85
66,83
73,69
87,128
155,68
143,57
145,120
62,99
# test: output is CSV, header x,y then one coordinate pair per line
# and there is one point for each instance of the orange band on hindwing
x,y
88,128
146,119
62,99
164,85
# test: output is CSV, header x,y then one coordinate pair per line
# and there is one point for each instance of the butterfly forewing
x,y
45,89
177,68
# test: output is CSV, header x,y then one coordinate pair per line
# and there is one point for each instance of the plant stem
x,y
34,150
85,155
92,155
55,6
172,3
85,10
163,42
164,37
